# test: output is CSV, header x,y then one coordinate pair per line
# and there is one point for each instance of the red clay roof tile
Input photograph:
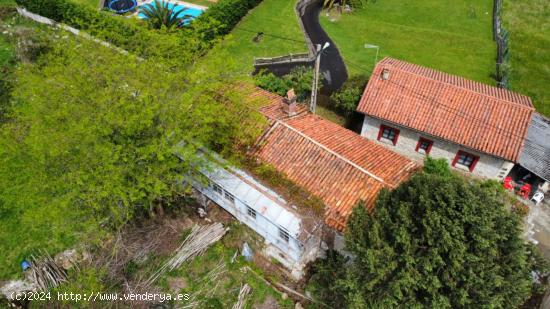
x,y
472,114
335,164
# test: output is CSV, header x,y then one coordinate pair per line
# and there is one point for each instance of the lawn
x,y
529,25
276,18
282,35
453,36
92,3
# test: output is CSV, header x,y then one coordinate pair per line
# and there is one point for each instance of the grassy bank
x,y
529,25
282,35
453,36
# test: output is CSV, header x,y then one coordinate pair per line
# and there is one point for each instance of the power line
x,y
270,35
431,100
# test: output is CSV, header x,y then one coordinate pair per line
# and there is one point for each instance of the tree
x,y
300,79
437,241
161,13
347,97
92,138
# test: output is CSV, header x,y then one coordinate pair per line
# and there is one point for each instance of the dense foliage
x,y
91,142
347,98
437,241
181,46
300,79
226,12
160,13
126,33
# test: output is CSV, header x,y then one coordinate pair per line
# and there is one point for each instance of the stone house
x,y
417,111
335,164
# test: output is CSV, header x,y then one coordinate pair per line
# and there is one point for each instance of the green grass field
x,y
453,36
92,3
273,17
529,25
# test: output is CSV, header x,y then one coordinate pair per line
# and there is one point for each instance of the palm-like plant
x,y
159,13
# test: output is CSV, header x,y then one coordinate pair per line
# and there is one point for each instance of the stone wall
x,y
487,166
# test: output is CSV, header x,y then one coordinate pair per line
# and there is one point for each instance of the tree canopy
x,y
91,138
437,241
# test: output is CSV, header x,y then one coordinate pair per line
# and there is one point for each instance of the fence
x,y
292,58
296,59
501,37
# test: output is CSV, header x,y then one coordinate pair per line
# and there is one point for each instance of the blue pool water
x,y
176,7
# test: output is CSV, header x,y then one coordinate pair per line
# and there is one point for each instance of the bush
x,y
346,99
228,12
437,167
122,32
299,79
129,34
326,281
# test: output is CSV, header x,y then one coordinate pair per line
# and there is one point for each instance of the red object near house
x,y
525,190
508,184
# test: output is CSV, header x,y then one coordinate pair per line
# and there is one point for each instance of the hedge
x,y
228,13
132,35
122,32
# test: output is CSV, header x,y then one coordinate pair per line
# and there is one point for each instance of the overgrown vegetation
x,y
92,139
179,47
437,241
289,190
346,99
300,79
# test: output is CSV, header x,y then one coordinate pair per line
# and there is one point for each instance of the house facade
x,y
417,111
417,145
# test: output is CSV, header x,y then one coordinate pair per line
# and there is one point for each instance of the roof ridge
x,y
339,156
388,61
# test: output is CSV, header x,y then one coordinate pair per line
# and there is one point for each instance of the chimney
x,y
289,103
385,74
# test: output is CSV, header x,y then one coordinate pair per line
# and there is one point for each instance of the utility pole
x,y
313,105
375,47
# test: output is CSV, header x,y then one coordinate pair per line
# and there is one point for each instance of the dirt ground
x,y
538,226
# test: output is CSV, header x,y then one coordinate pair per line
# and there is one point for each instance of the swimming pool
x,y
194,12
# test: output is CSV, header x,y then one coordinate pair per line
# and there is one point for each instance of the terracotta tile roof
x,y
333,163
472,114
271,104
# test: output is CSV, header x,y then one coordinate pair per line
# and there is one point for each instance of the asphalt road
x,y
332,65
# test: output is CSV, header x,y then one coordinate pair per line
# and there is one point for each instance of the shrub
x,y
123,32
437,167
129,34
228,12
346,98
300,79
270,82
